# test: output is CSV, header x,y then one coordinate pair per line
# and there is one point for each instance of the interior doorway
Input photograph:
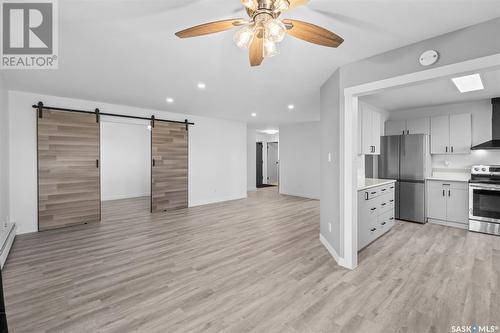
x,y
272,163
259,167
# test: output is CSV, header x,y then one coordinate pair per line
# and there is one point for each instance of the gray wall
x,y
465,44
329,199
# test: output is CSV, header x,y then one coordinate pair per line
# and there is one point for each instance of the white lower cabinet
x,y
375,213
448,203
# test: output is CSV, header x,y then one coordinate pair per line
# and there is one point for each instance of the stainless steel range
x,y
484,199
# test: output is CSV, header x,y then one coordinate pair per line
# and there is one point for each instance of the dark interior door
x,y
259,164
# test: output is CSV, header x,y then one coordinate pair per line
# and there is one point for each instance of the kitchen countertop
x,y
450,177
367,183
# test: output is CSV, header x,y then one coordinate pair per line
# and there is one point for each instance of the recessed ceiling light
x,y
291,107
254,114
169,100
202,85
468,83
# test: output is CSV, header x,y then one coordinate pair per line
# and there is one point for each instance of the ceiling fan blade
x,y
297,3
210,28
361,24
256,50
312,33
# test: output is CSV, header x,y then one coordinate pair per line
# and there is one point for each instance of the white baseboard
x,y
5,247
251,189
449,224
216,200
300,195
332,251
124,196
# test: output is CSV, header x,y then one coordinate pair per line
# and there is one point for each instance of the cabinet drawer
x,y
386,221
433,184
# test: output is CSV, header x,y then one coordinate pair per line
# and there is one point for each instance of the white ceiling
x,y
125,52
441,91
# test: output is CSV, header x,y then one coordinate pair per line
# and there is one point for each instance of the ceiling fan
x,y
262,33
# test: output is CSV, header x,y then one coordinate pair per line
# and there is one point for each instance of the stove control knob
x,y
483,169
476,169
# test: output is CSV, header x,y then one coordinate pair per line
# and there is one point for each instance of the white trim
x,y
331,250
348,124
301,195
217,200
125,196
449,224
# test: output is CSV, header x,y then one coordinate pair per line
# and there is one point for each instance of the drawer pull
x,y
384,204
392,218
383,223
373,192
384,189
372,209
391,187
373,229
391,200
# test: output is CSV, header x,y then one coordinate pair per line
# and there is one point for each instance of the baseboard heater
x,y
6,242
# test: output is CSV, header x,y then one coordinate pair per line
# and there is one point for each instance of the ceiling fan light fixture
x,y
250,4
270,48
275,30
243,37
281,6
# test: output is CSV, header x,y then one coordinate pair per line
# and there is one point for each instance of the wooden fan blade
x,y
297,3
210,28
312,33
256,50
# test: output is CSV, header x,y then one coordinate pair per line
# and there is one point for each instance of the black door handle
x,y
154,162
449,193
444,193
97,164
452,149
446,148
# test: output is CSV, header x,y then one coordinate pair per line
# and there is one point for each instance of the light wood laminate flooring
x,y
248,265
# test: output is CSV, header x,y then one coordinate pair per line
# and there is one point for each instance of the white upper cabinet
x,y
440,134
460,133
410,126
369,126
395,127
451,134
418,126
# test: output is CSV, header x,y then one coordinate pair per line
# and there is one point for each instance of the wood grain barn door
x,y
169,175
68,169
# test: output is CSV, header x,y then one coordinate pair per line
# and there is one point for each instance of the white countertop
x,y
450,177
366,183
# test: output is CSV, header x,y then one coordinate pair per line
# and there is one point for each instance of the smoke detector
x,y
429,58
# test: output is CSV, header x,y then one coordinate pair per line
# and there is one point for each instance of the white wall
x,y
4,155
217,154
481,132
300,159
251,159
125,158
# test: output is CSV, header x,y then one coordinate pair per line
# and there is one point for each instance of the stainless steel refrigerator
x,y
407,159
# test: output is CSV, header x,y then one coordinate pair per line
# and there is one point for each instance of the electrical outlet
x,y
329,227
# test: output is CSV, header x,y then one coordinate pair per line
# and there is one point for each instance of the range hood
x,y
495,130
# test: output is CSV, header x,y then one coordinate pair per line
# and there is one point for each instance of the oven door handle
x,y
482,187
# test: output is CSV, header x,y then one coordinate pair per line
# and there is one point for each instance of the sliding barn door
x,y
68,169
169,176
